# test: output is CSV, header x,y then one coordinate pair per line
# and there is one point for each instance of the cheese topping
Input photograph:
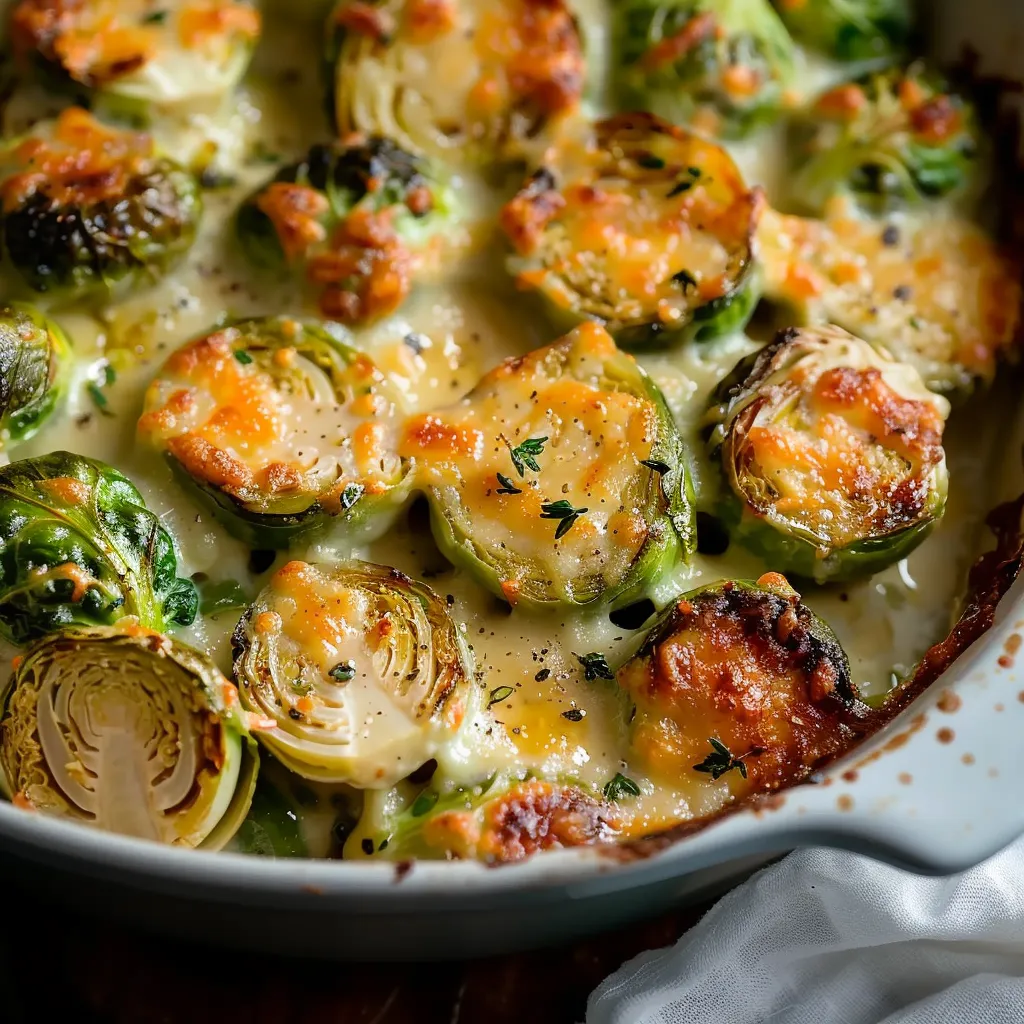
x,y
440,77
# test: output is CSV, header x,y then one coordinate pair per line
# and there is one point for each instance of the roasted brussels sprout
x,y
129,57
281,427
849,29
831,454
938,294
87,209
471,80
362,670
559,478
78,546
739,686
721,67
644,227
500,820
353,218
129,731
35,356
890,137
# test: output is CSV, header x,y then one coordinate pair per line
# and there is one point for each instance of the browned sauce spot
x,y
999,707
845,802
1012,645
905,778
1004,661
993,773
949,702
945,735
967,759
850,775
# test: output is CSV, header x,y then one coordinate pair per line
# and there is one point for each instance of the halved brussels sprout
x,y
281,427
740,686
35,357
849,29
88,209
132,55
465,79
939,294
353,218
560,478
501,820
129,731
361,668
642,226
722,67
892,136
831,453
79,546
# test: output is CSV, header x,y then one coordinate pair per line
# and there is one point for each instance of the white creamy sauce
x,y
467,323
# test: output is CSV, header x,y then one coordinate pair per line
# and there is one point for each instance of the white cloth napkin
x,y
828,937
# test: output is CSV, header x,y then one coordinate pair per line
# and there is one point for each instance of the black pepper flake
x,y
367,846
542,675
902,292
574,715
891,235
297,715
415,341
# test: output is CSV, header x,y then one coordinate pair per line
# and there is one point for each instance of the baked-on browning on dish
x,y
536,424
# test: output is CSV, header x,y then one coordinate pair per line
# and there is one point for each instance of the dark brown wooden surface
x,y
56,966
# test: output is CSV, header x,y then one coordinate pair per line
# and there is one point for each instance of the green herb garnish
x,y
721,761
574,715
424,803
619,787
498,694
154,18
524,456
350,495
685,278
94,388
507,487
595,666
564,512
657,465
343,671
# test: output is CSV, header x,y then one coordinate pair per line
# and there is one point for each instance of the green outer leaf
x,y
850,29
665,548
111,536
271,828
35,364
282,521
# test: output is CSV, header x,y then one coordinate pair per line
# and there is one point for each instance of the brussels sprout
x,y
939,294
500,820
79,546
35,356
129,57
361,668
739,686
721,66
129,731
889,137
353,218
471,80
281,427
271,828
87,209
831,453
560,478
849,29
644,227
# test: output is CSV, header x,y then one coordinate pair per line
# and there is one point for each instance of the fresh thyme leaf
x,y
507,487
595,666
681,186
650,161
424,803
685,278
657,465
154,18
350,495
574,714
343,671
301,687
620,786
99,399
563,511
721,761
242,356
498,694
524,456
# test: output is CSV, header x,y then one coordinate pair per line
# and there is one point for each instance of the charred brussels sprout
x,y
34,359
643,227
87,209
560,478
281,427
501,820
361,669
939,294
128,731
739,689
130,57
78,546
831,453
471,80
354,219
889,137
849,29
722,67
